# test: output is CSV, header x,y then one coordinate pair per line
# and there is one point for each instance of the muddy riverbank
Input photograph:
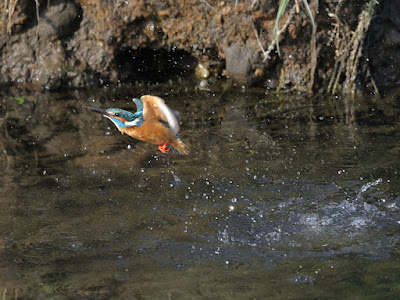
x,y
66,43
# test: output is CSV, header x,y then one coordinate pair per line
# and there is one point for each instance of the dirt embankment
x,y
86,42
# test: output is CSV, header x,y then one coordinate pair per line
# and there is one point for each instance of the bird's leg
x,y
164,148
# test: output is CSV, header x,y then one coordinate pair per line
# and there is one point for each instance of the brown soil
x,y
85,42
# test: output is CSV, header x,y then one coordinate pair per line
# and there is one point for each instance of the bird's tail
x,y
180,147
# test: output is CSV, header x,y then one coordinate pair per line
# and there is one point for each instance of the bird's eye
x,y
116,114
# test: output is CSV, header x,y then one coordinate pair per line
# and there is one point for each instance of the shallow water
x,y
281,197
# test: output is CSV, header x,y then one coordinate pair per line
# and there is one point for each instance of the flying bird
x,y
154,122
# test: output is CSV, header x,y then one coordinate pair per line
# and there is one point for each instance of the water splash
x,y
365,187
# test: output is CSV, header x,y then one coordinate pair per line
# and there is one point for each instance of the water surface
x,y
281,197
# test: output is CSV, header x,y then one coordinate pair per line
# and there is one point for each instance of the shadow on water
x,y
279,198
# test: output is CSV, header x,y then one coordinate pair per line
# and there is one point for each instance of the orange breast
x,y
151,131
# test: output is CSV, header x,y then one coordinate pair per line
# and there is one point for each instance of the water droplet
x,y
176,177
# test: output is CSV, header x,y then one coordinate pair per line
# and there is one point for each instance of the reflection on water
x,y
278,199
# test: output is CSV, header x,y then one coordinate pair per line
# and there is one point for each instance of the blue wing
x,y
139,104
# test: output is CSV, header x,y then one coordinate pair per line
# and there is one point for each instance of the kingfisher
x,y
153,122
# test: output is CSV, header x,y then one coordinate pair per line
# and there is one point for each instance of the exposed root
x,y
313,47
37,17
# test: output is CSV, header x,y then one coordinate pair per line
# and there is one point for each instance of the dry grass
x,y
348,48
266,53
9,7
348,44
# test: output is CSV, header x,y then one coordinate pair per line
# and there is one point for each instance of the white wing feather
x,y
168,113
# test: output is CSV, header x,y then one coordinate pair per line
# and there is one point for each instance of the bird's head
x,y
121,118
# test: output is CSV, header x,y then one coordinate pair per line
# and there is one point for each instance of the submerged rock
x,y
241,63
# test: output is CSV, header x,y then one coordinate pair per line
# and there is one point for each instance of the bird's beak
x,y
98,110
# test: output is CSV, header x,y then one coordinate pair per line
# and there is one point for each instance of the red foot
x,y
164,148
